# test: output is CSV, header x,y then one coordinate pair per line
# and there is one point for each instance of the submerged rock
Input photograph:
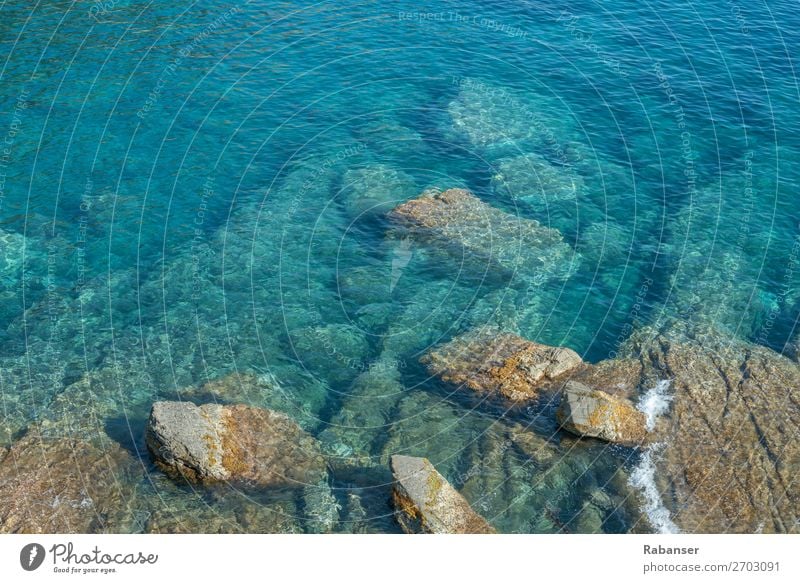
x,y
500,364
374,189
534,181
591,413
427,503
66,485
214,443
473,231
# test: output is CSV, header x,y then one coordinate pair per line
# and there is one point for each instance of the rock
x,y
374,190
362,422
470,230
591,413
286,390
730,458
216,443
532,180
500,364
67,486
619,377
427,503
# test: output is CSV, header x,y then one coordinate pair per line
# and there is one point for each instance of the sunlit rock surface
x,y
499,364
214,443
427,503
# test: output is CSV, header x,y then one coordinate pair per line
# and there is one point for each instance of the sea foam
x,y
654,403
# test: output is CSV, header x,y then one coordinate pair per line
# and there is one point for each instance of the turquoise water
x,y
197,190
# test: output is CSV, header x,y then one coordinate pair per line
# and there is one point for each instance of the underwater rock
x,y
427,503
66,486
475,232
499,364
533,180
287,391
364,416
215,443
592,413
374,190
333,351
501,120
730,457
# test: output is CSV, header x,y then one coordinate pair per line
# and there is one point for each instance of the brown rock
x,y
472,230
494,363
591,413
66,486
214,443
731,456
427,503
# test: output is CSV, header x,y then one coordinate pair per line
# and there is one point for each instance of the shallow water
x,y
193,191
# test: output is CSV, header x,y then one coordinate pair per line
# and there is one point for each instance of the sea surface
x,y
195,190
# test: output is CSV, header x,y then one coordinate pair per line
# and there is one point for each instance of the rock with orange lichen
x,y
476,232
426,503
216,443
592,413
67,485
500,364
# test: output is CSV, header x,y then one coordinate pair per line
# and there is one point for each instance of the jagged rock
x,y
67,485
730,458
214,443
500,364
427,503
473,231
588,412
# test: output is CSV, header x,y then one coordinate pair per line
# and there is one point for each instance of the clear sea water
x,y
193,190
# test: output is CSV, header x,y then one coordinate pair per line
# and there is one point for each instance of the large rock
x,y
427,503
473,231
500,364
214,443
67,485
592,413
731,457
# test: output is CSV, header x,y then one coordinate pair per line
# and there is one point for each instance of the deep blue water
x,y
188,191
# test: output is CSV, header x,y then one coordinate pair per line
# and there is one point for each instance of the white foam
x,y
643,478
655,402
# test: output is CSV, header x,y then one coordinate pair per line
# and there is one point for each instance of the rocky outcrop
x,y
730,458
215,443
66,485
500,364
426,503
473,231
592,413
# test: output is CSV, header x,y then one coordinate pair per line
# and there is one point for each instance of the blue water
x,y
190,191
